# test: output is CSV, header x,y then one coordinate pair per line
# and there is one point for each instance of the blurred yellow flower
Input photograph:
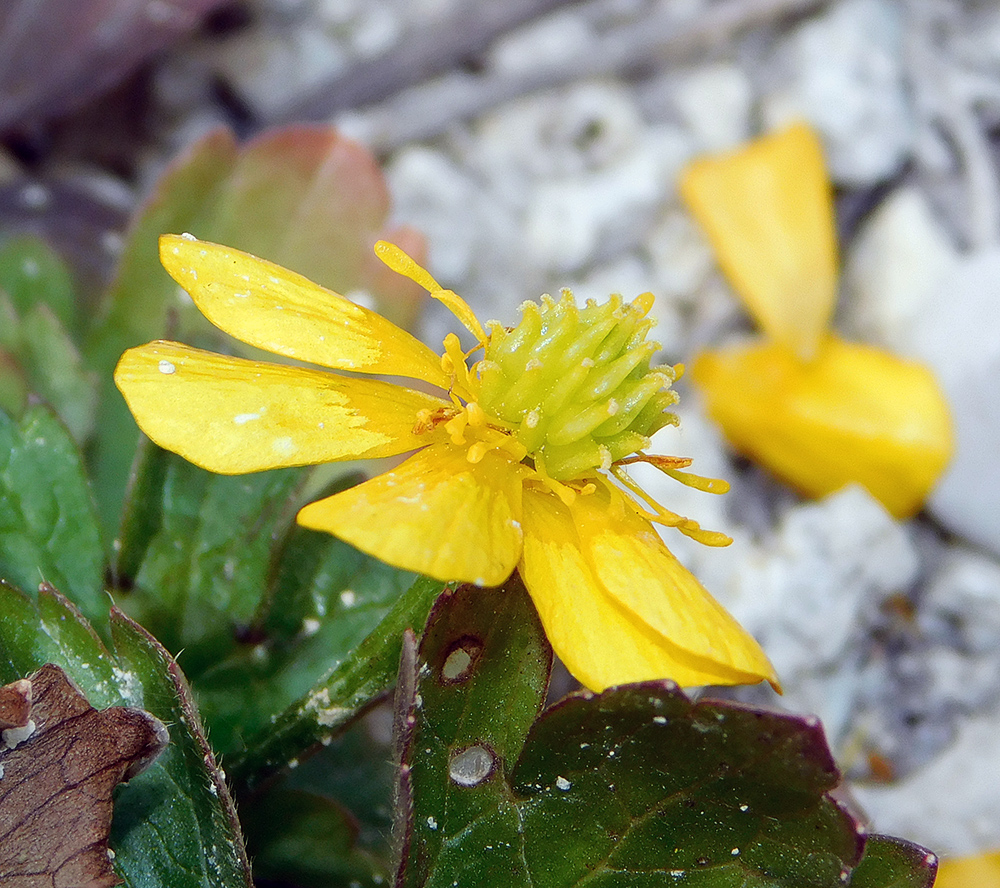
x,y
819,412
521,460
975,871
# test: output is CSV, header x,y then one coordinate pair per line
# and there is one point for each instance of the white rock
x,y
894,267
436,196
557,133
961,603
950,805
270,68
573,221
957,335
811,587
842,72
681,257
561,36
714,102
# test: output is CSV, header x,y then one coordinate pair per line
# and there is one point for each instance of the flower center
x,y
574,385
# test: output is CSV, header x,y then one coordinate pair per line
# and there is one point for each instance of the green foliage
x,y
894,863
38,353
48,528
632,787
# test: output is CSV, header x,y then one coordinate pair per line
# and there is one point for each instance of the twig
x,y
432,49
429,109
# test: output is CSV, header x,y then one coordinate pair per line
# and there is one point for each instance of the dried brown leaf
x,y
57,773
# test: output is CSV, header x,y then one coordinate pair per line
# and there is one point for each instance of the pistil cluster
x,y
574,385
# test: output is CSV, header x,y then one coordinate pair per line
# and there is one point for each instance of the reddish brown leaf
x,y
58,773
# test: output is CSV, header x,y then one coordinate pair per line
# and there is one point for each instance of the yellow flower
x,y
521,460
975,871
819,412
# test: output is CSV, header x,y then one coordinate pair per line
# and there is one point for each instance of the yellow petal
x,y
855,414
768,212
617,605
436,514
229,415
282,312
976,871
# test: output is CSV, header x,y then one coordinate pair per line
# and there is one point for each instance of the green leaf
x,y
204,552
54,370
263,610
364,674
894,863
50,629
326,599
637,786
336,813
304,197
483,670
31,274
48,527
36,312
174,824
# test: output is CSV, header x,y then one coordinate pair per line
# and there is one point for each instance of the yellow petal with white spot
x,y
267,306
436,514
229,415
767,209
975,871
855,414
617,605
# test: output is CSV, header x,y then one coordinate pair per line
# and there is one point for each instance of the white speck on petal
x,y
284,446
188,236
166,367
244,418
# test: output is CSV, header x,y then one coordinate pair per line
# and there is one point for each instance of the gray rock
x,y
952,804
956,334
842,71
894,269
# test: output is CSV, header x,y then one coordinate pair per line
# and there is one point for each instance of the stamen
x,y
453,363
566,494
669,465
687,526
456,427
403,264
